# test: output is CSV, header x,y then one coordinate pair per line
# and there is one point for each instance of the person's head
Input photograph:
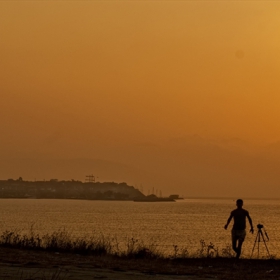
x,y
239,203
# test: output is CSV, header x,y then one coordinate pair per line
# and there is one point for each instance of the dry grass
x,y
63,241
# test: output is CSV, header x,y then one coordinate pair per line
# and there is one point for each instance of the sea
x,y
185,226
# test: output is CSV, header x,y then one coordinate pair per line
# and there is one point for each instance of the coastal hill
x,y
68,190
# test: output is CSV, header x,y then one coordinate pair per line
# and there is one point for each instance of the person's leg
x,y
238,251
241,239
234,240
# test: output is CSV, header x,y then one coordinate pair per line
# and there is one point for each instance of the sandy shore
x,y
22,264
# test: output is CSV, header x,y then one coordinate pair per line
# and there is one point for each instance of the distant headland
x,y
68,190
55,189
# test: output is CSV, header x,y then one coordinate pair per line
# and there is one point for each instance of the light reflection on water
x,y
183,223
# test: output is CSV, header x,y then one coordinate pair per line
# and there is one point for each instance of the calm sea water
x,y
183,223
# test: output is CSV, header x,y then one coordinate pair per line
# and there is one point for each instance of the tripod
x,y
258,239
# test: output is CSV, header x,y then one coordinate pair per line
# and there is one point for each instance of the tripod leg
x,y
254,244
259,239
265,244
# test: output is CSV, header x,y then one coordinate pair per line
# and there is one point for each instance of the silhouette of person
x,y
238,231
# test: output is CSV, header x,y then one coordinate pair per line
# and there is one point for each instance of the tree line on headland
x,y
68,190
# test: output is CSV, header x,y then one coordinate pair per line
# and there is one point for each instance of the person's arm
x,y
228,221
251,222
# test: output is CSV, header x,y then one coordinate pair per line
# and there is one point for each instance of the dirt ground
x,y
18,264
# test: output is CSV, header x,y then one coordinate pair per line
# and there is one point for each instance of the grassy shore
x,y
59,256
99,245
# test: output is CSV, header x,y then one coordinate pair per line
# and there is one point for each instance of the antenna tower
x,y
90,178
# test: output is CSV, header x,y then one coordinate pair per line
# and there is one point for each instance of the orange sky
x,y
181,96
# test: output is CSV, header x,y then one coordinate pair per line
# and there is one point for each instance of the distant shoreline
x,y
233,198
181,199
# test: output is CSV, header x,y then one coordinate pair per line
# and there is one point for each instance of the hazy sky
x,y
181,96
